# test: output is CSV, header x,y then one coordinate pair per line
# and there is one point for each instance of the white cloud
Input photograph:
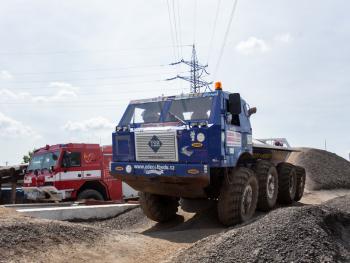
x,y
12,128
284,38
251,46
4,74
96,123
65,92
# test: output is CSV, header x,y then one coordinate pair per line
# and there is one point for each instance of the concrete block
x,y
71,213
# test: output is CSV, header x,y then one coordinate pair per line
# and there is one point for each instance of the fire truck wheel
x,y
287,183
90,194
238,197
301,177
268,184
159,208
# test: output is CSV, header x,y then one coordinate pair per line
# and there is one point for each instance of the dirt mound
x,y
21,236
132,220
294,234
324,170
342,203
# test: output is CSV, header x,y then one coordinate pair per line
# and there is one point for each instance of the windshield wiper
x,y
177,117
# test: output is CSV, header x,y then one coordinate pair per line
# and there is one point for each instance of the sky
x,y
69,67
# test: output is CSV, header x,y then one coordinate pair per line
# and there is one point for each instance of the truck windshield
x,y
43,161
143,113
190,109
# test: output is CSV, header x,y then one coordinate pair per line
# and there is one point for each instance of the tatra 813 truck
x,y
199,146
73,171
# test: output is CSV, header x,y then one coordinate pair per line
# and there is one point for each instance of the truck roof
x,y
176,97
53,147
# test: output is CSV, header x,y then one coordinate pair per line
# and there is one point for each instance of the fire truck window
x,y
75,159
71,159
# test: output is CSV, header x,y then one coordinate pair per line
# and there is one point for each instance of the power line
x,y
79,93
176,32
171,30
88,79
87,70
91,85
179,20
194,21
225,36
69,52
214,28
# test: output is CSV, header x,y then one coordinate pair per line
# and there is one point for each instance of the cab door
x,y
71,166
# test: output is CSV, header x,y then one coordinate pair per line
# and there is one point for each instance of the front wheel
x,y
160,208
89,194
238,197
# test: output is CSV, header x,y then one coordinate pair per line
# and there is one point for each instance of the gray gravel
x,y
324,170
130,220
294,234
22,236
342,203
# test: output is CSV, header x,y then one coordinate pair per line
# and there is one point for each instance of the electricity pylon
x,y
196,71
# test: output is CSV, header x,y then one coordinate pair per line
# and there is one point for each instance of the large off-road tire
x,y
159,208
301,177
287,183
90,194
238,197
268,184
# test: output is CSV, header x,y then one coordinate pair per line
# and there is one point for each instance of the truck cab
x,y
71,171
169,145
199,146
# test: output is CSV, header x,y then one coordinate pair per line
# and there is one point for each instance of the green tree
x,y
26,158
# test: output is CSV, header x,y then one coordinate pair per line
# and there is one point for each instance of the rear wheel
x,y
268,185
90,194
287,183
301,177
159,208
238,197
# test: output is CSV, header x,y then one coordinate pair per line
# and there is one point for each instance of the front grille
x,y
156,146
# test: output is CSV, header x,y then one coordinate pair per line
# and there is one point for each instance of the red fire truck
x,y
73,171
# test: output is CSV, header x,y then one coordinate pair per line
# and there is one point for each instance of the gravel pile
x,y
130,220
342,203
21,236
294,234
324,170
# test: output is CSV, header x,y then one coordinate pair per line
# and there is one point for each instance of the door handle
x,y
79,175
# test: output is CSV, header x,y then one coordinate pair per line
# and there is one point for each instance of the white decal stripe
x,y
74,175
92,174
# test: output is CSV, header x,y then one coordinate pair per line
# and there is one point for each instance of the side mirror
x,y
54,157
234,104
252,111
52,169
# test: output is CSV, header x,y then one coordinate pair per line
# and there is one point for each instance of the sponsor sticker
x,y
233,139
193,171
119,168
197,145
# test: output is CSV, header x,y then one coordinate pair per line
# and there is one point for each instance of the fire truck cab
x,y
73,171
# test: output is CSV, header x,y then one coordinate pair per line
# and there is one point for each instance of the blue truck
x,y
199,146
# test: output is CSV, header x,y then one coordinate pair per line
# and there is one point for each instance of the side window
x,y
71,159
235,117
75,159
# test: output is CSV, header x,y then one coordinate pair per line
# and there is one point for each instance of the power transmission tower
x,y
196,71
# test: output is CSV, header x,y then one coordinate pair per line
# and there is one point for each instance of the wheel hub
x,y
270,186
247,199
291,183
301,184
